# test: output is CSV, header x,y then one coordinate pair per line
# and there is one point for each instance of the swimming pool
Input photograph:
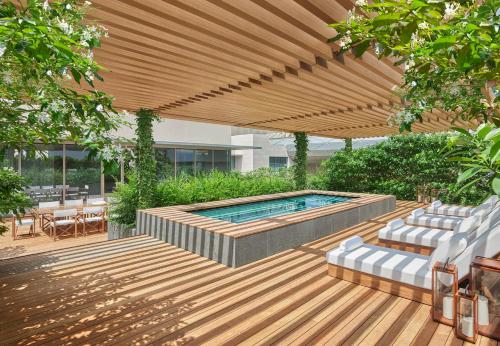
x,y
265,209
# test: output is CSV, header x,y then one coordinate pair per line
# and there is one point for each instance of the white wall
x,y
172,130
248,160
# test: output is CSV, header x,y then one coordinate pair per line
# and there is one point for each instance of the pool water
x,y
261,210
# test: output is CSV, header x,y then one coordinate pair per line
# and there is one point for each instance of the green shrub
x,y
397,166
212,186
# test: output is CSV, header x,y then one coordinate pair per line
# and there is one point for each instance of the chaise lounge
x,y
403,273
399,235
437,207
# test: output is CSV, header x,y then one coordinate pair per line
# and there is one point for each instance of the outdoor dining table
x,y
42,213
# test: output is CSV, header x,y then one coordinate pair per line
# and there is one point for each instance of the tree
x,y
348,144
12,195
300,168
145,158
450,52
47,73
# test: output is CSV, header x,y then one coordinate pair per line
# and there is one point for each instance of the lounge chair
x,y
407,274
399,235
437,207
419,217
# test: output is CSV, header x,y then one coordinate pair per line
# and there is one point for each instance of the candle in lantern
x,y
468,326
483,317
448,307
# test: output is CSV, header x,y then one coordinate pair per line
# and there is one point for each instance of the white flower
x,y
352,16
99,108
46,6
345,41
68,6
450,10
3,48
90,55
89,75
49,73
379,49
361,3
84,43
43,117
413,84
423,25
409,64
65,27
416,40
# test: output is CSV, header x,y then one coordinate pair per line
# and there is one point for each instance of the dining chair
x,y
64,221
73,203
23,221
96,201
44,219
93,219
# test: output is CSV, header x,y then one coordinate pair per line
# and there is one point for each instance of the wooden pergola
x,y
254,63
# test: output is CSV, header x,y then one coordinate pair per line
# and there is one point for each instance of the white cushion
x,y
493,199
395,224
436,204
400,266
416,235
93,210
483,210
451,210
449,250
351,243
62,222
92,219
25,222
437,221
417,212
65,213
468,224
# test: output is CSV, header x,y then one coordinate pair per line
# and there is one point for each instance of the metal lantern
x,y
466,317
444,289
485,283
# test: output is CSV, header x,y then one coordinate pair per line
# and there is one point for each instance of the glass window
x,y
204,161
43,166
83,174
277,162
222,160
165,158
184,161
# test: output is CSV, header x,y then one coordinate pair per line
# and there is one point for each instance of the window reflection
x,y
203,161
83,174
165,162
44,166
222,160
184,161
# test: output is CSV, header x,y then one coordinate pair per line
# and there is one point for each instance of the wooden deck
x,y
140,290
42,243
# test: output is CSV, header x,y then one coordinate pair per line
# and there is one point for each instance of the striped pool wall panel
x,y
237,251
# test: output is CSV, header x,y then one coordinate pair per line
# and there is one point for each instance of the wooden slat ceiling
x,y
252,63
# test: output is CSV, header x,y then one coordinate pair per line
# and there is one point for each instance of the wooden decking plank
x,y
120,292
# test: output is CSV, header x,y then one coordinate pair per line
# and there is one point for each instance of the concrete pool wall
x,y
235,245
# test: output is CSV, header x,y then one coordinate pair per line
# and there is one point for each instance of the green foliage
x,y
12,196
43,46
145,158
212,186
300,167
479,153
348,144
397,166
450,50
